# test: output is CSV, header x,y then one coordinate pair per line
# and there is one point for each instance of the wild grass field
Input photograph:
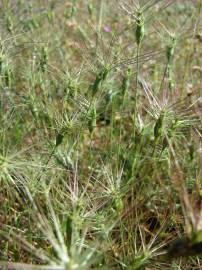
x,y
100,134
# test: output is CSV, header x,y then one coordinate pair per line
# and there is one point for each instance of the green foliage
x,y
100,162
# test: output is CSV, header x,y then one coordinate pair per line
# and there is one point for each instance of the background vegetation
x,y
100,135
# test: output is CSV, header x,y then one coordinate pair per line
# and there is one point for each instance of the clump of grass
x,y
99,135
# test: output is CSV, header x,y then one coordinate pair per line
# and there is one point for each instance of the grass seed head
x,y
43,59
90,8
118,203
126,81
8,77
140,29
170,49
100,78
158,126
9,24
92,119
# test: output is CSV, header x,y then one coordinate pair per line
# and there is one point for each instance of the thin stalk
x,y
100,16
100,22
136,83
